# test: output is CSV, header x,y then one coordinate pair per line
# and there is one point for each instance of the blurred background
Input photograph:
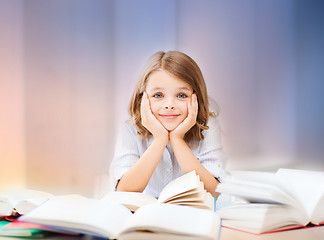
x,y
68,69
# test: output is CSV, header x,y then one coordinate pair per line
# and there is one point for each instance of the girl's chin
x,y
170,127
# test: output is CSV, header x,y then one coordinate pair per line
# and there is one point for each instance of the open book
x,y
21,200
186,190
101,217
273,201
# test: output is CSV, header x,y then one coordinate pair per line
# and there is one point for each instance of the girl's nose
x,y
169,104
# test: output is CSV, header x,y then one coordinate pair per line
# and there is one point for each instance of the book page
x,y
169,218
131,200
79,214
182,184
253,176
306,186
16,195
24,200
317,216
255,186
187,194
192,197
5,206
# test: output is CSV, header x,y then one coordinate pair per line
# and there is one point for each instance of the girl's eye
x,y
158,95
182,95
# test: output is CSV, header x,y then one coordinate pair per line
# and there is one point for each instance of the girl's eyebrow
x,y
184,88
157,88
180,88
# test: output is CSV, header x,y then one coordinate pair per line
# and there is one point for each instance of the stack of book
x,y
16,202
270,202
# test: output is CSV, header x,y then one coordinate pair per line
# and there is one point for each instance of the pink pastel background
x,y
68,68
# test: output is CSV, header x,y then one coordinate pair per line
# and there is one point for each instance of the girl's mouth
x,y
169,116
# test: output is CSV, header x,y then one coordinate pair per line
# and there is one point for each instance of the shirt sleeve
x,y
126,153
210,151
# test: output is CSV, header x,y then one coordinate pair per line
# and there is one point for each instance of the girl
x,y
172,130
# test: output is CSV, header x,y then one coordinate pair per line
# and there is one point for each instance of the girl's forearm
x,y
138,176
188,162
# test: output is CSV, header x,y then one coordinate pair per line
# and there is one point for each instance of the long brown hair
x,y
185,68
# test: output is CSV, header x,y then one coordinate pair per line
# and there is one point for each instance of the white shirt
x,y
130,148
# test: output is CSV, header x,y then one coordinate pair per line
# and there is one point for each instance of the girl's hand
x,y
188,122
150,122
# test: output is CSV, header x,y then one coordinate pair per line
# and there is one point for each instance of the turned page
x,y
180,185
308,188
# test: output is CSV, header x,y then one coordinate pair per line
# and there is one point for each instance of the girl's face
x,y
169,97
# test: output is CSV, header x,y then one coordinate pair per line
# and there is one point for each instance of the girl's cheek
x,y
154,108
185,107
